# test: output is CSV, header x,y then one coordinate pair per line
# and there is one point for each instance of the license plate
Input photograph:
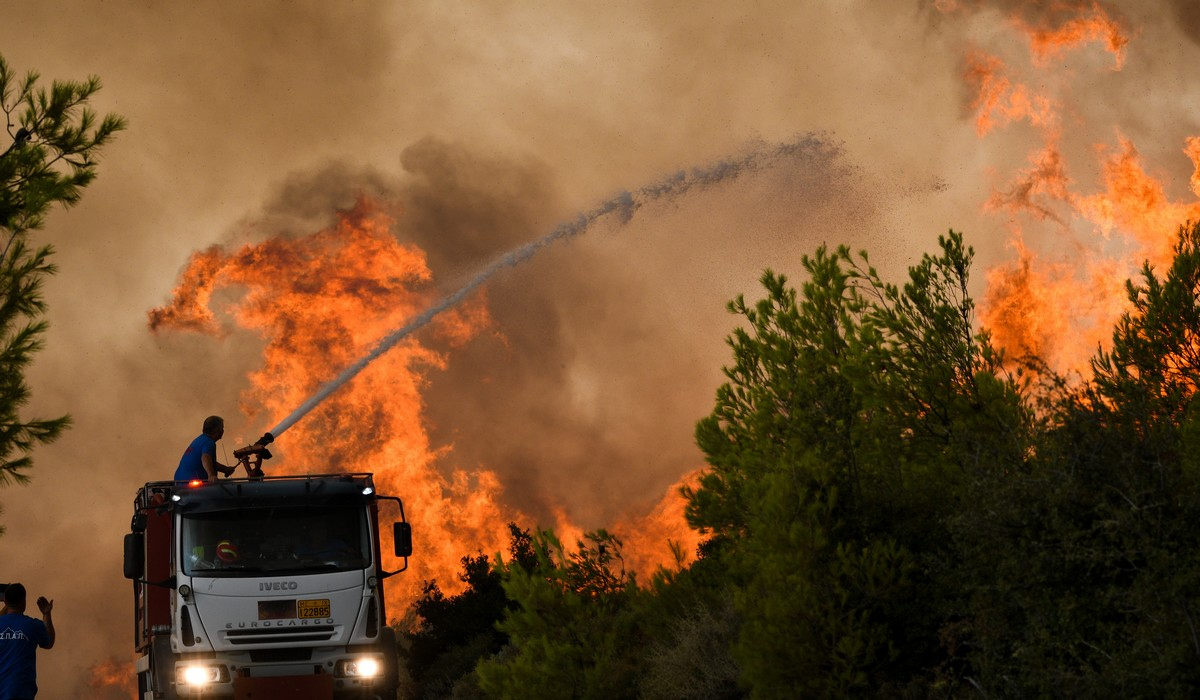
x,y
312,609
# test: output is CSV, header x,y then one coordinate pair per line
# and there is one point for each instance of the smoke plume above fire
x,y
301,179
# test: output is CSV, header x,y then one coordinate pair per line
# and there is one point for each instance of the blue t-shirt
x,y
190,466
20,636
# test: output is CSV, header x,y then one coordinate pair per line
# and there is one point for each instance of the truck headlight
x,y
198,675
365,667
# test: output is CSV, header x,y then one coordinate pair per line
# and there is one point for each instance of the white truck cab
x,y
268,587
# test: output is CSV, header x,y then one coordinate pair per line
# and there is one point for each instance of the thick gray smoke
x,y
1187,13
622,207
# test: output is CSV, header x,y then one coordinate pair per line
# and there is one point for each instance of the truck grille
x,y
278,656
259,636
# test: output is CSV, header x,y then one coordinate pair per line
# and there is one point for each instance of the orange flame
x,y
1060,302
1062,311
1092,24
320,302
1136,204
998,100
1036,190
1192,149
649,538
113,678
190,309
1054,27
1055,311
1016,306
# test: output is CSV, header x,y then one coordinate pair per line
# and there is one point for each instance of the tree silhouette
x,y
55,141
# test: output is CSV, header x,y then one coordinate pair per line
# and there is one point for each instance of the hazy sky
x,y
486,125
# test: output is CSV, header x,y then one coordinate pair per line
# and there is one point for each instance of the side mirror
x,y
402,539
135,550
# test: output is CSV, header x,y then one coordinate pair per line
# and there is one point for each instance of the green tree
x,y
55,142
1083,568
573,632
456,631
893,514
854,416
689,626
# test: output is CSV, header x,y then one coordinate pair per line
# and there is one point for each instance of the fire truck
x,y
263,587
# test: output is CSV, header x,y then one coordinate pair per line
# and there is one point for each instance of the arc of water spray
x,y
623,205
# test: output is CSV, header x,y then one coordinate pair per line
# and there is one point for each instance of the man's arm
x,y
212,466
46,606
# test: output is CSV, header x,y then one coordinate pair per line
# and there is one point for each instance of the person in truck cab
x,y
199,460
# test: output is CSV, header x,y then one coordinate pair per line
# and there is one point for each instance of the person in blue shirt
x,y
199,460
20,637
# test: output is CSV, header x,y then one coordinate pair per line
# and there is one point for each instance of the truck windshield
x,y
254,540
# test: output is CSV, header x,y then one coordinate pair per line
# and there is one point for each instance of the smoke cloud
x,y
480,130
